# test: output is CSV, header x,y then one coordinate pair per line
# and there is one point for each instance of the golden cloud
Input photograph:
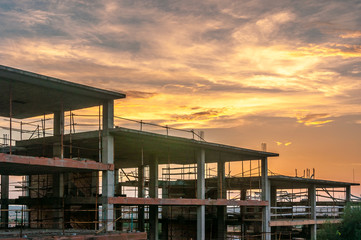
x,y
285,144
355,34
314,119
329,50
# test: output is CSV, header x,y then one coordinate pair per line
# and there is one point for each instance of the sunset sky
x,y
286,73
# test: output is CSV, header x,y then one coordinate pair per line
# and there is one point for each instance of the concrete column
x,y
141,195
201,210
348,194
266,192
95,192
4,201
312,201
165,213
221,177
243,211
153,193
222,194
58,179
58,130
108,158
273,202
117,208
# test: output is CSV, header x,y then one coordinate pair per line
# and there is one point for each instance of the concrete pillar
x,y
4,201
266,192
165,213
201,210
95,192
117,208
58,130
58,179
348,194
243,212
312,202
153,193
222,194
141,195
273,202
108,158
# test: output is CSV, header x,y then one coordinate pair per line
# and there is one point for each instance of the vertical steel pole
x,y
10,115
21,130
70,139
100,137
62,131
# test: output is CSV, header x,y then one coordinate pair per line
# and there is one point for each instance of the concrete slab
x,y
26,165
111,236
302,222
184,202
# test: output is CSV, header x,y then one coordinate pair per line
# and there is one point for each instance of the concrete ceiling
x,y
130,145
286,182
35,95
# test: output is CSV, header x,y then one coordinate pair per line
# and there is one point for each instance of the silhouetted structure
x,y
83,174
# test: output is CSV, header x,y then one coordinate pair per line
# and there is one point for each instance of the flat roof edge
x,y
107,94
315,180
193,141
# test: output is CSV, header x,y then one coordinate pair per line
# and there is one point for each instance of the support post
x,y
58,179
58,131
222,194
153,193
108,158
201,210
5,201
273,202
165,213
11,118
117,207
348,194
266,229
243,212
312,202
95,194
141,195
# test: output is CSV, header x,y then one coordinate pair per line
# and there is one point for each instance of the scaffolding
x,y
79,168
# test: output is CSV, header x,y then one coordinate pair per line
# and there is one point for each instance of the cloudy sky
x,y
287,73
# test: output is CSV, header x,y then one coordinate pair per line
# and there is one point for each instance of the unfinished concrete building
x,y
68,171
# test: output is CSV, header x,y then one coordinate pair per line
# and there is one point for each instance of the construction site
x,y
71,169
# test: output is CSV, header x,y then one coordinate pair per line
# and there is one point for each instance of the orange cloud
x,y
329,50
355,34
314,119
285,144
